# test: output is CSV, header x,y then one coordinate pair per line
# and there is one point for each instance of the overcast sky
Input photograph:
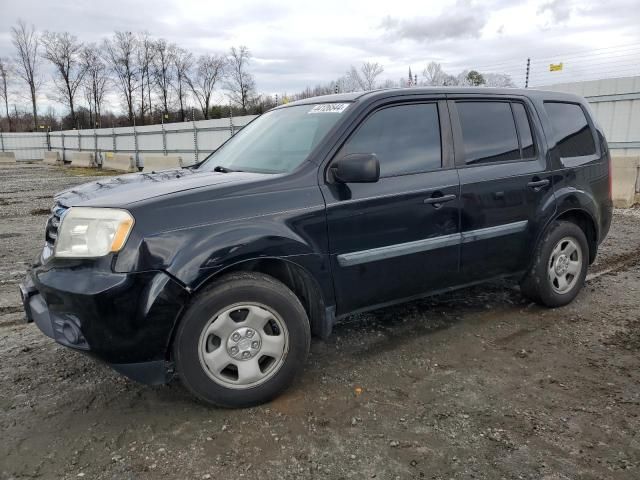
x,y
301,43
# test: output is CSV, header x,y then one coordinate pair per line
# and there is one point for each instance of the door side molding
x,y
491,232
399,249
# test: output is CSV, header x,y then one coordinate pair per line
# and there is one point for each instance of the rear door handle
x,y
538,184
437,201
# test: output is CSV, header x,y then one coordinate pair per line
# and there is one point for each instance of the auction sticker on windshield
x,y
329,108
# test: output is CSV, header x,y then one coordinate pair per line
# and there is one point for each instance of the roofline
x,y
453,90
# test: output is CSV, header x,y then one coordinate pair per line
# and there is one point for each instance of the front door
x,y
399,237
503,182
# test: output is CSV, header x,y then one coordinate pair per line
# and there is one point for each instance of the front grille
x,y
53,224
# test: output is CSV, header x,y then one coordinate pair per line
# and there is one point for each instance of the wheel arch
x,y
297,278
587,224
583,219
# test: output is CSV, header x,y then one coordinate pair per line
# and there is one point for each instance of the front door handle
x,y
438,201
537,185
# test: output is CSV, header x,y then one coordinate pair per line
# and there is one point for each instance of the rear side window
x,y
571,129
488,132
405,138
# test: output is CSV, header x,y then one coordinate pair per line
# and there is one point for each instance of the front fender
x,y
189,254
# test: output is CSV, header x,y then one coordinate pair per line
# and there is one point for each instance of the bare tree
x,y
120,53
163,71
182,62
364,79
144,53
240,82
352,80
64,52
349,82
95,82
498,80
209,70
369,72
434,75
25,40
5,78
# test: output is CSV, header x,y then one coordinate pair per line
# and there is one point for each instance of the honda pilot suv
x,y
220,273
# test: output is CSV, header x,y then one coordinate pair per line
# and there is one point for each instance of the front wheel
x,y
560,266
242,341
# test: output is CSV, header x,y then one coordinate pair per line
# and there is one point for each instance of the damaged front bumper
x,y
125,320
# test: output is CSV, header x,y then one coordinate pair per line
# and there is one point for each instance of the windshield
x,y
278,141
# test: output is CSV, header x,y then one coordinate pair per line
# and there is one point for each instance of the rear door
x,y
504,183
398,237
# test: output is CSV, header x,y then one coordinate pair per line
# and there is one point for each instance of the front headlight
x,y
87,232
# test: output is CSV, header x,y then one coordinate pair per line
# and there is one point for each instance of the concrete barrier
x,y
7,157
52,158
82,159
624,180
121,162
161,162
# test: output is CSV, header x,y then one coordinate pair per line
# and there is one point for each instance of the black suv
x,y
221,272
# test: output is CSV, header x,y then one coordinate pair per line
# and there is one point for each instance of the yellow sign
x,y
555,67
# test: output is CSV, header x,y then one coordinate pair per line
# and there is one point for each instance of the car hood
x,y
124,190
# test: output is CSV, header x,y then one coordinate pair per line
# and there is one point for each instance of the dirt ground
x,y
474,384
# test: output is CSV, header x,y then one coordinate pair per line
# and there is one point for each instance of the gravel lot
x,y
474,384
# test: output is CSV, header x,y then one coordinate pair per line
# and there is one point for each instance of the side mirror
x,y
356,168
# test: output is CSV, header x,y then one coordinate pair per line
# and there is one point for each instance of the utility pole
x,y
164,136
231,129
195,135
135,143
526,80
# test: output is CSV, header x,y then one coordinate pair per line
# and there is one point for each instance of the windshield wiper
x,y
220,168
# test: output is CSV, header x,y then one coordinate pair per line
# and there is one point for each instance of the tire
x,y
543,284
242,341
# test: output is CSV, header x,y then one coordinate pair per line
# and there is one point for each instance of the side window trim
x,y
458,142
446,135
531,130
515,123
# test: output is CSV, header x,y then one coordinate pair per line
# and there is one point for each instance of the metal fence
x,y
25,146
190,140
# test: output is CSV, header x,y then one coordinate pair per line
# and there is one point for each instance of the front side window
x,y
278,141
405,138
572,132
488,132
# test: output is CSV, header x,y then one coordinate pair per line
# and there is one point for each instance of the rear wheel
x,y
560,266
242,341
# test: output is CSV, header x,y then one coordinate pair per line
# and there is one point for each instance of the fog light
x,y
71,333
67,331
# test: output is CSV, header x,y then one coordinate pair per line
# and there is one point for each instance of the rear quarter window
x,y
572,133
